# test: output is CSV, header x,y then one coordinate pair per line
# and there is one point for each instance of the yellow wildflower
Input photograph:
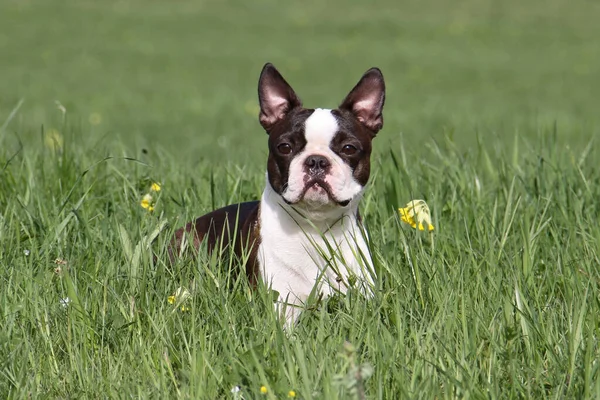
x,y
291,394
416,212
155,187
180,295
147,202
263,389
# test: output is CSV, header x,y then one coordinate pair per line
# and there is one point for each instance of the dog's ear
x,y
275,96
366,100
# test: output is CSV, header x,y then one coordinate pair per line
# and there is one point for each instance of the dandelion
x,y
146,202
263,389
291,394
416,212
155,187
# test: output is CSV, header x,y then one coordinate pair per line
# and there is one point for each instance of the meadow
x,y
491,117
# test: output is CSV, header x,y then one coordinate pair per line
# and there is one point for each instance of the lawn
x,y
491,117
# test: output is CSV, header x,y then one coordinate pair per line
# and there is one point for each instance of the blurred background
x,y
180,76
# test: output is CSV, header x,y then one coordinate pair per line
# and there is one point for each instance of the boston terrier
x,y
305,235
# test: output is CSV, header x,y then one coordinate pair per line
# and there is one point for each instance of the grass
x,y
501,301
183,77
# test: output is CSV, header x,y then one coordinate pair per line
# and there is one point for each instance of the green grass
x,y
183,76
491,115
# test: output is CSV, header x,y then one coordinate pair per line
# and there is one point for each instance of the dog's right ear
x,y
276,97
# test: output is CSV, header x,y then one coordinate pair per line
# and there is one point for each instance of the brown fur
x,y
219,228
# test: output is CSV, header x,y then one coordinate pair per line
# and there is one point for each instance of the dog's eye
x,y
349,150
284,148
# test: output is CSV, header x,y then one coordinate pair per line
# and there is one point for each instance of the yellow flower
x,y
291,394
263,389
416,212
180,295
147,202
155,187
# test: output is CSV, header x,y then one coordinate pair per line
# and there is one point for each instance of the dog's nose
x,y
317,163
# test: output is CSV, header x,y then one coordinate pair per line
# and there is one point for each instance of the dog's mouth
x,y
318,185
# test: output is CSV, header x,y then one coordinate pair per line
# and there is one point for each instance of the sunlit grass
x,y
504,305
122,120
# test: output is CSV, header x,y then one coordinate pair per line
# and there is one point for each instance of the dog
x,y
305,236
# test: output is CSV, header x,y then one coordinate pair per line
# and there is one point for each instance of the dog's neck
x,y
306,218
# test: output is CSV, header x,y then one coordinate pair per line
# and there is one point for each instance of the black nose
x,y
317,163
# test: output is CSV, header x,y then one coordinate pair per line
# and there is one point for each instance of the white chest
x,y
296,257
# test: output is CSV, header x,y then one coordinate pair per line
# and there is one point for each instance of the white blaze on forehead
x,y
320,128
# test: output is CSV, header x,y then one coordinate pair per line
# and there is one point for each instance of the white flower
x,y
26,252
237,393
64,302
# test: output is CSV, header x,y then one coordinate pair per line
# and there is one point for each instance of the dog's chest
x,y
293,258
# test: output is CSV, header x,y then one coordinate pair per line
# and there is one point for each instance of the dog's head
x,y
319,159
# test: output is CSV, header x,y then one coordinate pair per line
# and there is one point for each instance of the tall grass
x,y
500,301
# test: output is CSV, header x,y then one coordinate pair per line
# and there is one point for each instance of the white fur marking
x,y
295,255
319,130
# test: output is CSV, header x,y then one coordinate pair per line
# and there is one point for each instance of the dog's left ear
x,y
366,100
